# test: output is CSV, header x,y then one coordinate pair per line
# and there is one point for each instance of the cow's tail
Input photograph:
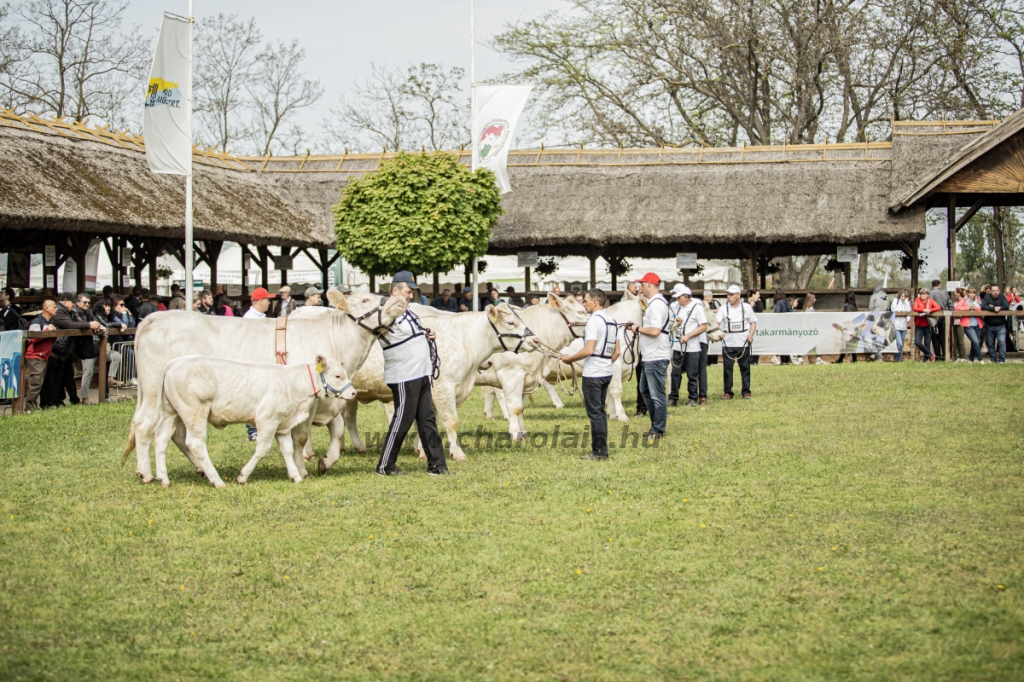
x,y
130,445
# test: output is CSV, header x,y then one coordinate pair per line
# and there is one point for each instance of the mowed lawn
x,y
851,522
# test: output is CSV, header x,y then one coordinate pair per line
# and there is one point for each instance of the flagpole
x,y
475,141
188,178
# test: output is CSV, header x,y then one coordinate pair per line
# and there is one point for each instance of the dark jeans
x,y
901,338
595,392
973,335
704,371
939,339
995,337
729,358
641,406
60,378
413,401
923,340
653,390
678,365
692,364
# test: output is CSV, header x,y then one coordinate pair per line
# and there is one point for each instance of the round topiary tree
x,y
419,212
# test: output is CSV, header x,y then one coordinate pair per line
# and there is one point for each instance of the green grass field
x,y
850,522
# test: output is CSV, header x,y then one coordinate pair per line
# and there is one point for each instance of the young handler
x,y
601,349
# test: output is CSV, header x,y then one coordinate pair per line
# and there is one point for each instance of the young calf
x,y
280,400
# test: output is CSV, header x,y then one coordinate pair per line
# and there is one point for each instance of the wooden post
x,y
325,265
264,266
949,335
151,264
527,283
18,405
102,362
437,284
245,270
373,283
915,264
846,275
212,248
285,250
951,238
593,271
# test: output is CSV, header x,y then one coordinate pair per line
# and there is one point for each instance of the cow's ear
x,y
492,312
837,326
321,362
553,300
337,299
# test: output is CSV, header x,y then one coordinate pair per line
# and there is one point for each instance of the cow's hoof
x,y
321,467
309,458
200,472
165,484
489,417
143,477
459,457
423,455
241,481
220,484
303,474
361,451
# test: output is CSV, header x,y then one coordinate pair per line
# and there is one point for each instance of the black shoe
x,y
673,402
640,413
746,395
392,472
594,455
727,396
692,403
703,401
442,471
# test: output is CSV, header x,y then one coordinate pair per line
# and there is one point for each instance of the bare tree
x,y
226,50
277,91
434,94
75,61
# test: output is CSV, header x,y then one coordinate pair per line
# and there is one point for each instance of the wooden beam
x,y
951,239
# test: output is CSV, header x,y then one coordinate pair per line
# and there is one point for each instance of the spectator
x,y
314,297
1013,298
86,347
901,304
754,300
261,300
879,301
284,305
631,288
807,306
205,303
849,307
971,326
923,306
37,355
60,370
957,351
224,306
135,300
467,300
11,318
995,328
782,305
11,295
494,298
102,312
177,299
445,302
147,307
557,290
534,300
121,315
108,291
941,299
709,299
513,299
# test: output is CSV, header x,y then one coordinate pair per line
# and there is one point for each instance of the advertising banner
x,y
821,334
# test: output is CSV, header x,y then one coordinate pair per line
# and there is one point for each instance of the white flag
x,y
498,108
167,121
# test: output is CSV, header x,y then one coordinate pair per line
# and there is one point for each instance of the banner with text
x,y
821,334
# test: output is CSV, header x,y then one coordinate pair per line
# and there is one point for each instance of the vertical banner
x,y
167,118
498,108
10,364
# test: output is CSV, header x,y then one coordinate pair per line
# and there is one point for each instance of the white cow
x,y
464,342
280,400
626,310
515,375
344,332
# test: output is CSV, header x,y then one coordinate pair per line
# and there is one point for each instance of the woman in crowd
x,y
754,299
103,312
901,304
971,326
849,307
782,305
807,306
923,306
224,306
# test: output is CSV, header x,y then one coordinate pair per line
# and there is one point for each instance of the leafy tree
x,y
419,212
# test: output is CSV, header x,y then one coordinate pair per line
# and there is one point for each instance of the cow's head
x,y
850,330
334,379
511,330
369,307
575,314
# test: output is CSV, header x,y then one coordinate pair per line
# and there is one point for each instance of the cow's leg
x,y
336,427
350,413
144,422
181,440
502,403
552,393
297,447
195,439
164,430
488,402
614,401
284,443
512,388
264,439
448,414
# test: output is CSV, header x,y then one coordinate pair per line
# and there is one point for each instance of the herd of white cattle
x,y
198,370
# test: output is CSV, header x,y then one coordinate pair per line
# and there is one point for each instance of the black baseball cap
x,y
405,277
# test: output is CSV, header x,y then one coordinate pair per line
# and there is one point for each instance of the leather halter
x,y
572,325
328,389
503,335
380,329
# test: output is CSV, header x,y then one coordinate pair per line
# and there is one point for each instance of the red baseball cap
x,y
259,293
651,278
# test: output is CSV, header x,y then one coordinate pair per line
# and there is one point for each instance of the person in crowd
x,y
225,307
901,304
177,301
37,355
466,304
60,370
941,298
782,305
633,289
135,300
677,365
879,301
957,349
807,306
204,304
850,306
11,295
408,369
513,299
314,297
86,347
445,302
691,346
924,306
1013,298
995,325
600,350
261,300
557,290
146,307
710,308
121,315
655,351
9,315
494,298
972,326
285,304
102,312
738,321
534,299
754,301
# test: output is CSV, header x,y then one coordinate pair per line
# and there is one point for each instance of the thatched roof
x,y
922,152
53,180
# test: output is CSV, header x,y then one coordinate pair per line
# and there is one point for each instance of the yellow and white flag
x,y
498,108
167,120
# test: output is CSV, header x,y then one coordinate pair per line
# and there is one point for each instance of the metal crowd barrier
x,y
126,373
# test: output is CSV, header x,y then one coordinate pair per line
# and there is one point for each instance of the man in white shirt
x,y
261,299
686,352
600,350
408,372
656,352
738,322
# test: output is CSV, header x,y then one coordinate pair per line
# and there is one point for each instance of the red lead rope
x,y
311,382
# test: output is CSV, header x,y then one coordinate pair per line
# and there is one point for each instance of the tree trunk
x,y
862,271
999,214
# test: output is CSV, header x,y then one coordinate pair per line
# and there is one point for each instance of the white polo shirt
x,y
603,331
406,351
656,348
693,316
253,314
735,321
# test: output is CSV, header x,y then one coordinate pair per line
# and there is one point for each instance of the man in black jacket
x,y
995,326
10,318
60,365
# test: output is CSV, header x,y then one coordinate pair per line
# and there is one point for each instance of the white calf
x,y
279,400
